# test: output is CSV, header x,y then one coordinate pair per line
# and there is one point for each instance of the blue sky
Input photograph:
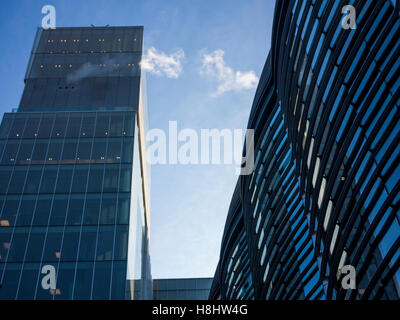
x,y
189,203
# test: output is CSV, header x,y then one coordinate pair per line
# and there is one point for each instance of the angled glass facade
x,y
233,276
72,174
325,190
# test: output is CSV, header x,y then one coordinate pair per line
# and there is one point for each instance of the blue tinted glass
x,y
83,281
28,281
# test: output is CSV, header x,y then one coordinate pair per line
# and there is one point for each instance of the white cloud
x,y
228,79
159,63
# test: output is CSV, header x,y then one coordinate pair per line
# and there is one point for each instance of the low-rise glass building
x,y
74,192
182,289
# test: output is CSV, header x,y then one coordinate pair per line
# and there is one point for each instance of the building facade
x,y
74,193
325,190
182,289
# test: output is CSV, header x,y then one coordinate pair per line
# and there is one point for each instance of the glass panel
x,y
129,124
114,151
64,179
118,281
46,126
75,210
25,153
102,280
42,211
60,126
92,208
39,152
6,125
84,149
105,243
121,243
88,243
49,179
95,179
111,179
74,125
102,125
70,244
35,245
123,209
108,209
2,146
28,281
127,150
116,125
5,174
17,127
10,152
33,179
59,210
54,153
26,210
69,152
17,180
83,281
52,250
11,279
65,281
99,151
18,245
10,210
88,122
125,179
80,179
5,238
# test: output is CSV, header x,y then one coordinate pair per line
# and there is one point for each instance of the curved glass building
x,y
325,190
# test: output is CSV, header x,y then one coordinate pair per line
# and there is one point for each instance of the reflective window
x,y
17,180
10,211
18,245
36,244
60,125
75,210
6,125
105,243
29,278
69,249
74,125
39,152
49,179
52,249
26,210
95,179
10,152
64,179
42,212
65,281
80,179
46,126
5,174
33,179
83,281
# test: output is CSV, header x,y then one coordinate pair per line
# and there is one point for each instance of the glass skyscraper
x,y
325,190
74,185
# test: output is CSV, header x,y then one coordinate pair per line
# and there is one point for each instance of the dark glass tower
x,y
74,193
325,190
